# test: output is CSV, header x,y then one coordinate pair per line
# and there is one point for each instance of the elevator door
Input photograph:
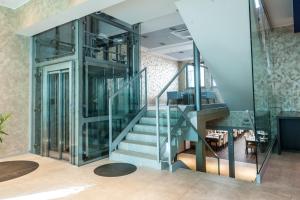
x,y
57,112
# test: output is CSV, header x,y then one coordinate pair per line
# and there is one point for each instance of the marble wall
x,y
160,71
285,45
14,69
277,72
37,10
14,81
285,72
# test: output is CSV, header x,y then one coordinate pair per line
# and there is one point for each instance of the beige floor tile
x,y
59,180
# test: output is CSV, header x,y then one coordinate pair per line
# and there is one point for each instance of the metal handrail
x,y
111,98
201,137
128,83
171,81
157,108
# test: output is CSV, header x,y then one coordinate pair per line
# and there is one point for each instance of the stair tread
x,y
143,124
145,133
136,154
149,117
140,143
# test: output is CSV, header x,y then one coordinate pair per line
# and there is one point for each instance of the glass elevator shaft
x,y
76,68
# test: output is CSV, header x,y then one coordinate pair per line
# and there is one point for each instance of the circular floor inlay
x,y
115,169
14,169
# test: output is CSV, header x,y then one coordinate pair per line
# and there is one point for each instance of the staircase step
x,y
162,113
152,121
143,137
135,158
138,146
146,128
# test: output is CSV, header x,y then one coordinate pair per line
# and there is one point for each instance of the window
x,y
213,82
202,74
55,43
191,77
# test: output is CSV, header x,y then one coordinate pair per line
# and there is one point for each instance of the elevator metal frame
x,y
77,71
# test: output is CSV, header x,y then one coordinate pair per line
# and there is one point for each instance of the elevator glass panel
x,y
53,112
59,108
106,66
55,43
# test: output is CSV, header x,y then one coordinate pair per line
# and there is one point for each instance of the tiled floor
x,y
59,180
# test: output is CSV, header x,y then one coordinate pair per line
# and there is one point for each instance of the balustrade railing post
x,y
146,90
169,139
110,125
157,129
219,173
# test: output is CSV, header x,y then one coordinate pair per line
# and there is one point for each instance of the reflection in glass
x,y
106,67
53,112
261,59
55,43
58,105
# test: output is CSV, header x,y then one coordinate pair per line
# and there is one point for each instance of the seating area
x,y
250,142
218,139
246,143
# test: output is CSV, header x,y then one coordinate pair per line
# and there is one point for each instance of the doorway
x,y
57,111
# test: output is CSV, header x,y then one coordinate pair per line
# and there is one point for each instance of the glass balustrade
x,y
175,129
265,133
124,107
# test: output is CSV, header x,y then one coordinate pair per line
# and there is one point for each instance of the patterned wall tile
x,y
160,72
14,81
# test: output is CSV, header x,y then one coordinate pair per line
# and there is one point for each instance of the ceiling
x,y
172,42
13,4
163,37
156,18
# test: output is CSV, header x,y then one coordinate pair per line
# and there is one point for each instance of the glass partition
x,y
209,91
125,105
262,66
55,43
107,66
176,124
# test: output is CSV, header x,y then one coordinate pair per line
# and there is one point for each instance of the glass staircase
x,y
152,138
